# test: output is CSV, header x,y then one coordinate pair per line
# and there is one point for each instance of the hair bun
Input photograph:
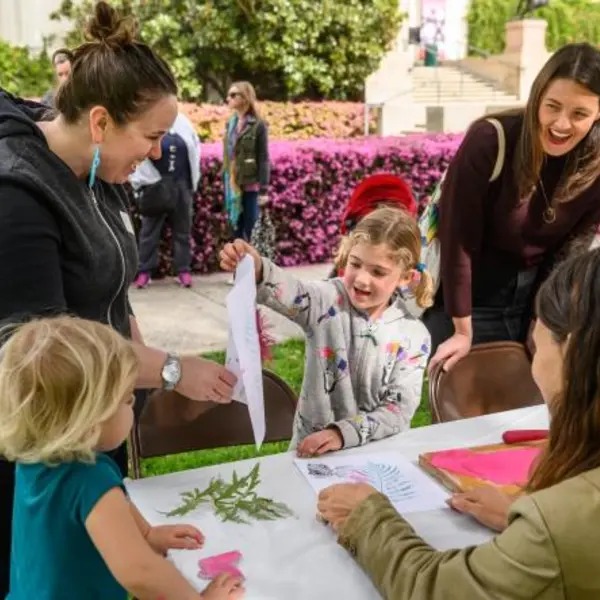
x,y
108,27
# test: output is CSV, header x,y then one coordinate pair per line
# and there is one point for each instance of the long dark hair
x,y
568,304
579,63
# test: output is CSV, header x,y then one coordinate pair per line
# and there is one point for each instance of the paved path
x,y
195,320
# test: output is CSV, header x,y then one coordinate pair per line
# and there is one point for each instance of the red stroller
x,y
371,192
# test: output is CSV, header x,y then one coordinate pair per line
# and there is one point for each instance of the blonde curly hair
x,y
60,379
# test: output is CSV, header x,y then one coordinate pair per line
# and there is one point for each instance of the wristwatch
x,y
171,372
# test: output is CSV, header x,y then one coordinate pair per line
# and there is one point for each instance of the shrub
x,y
287,120
290,49
311,182
22,73
568,21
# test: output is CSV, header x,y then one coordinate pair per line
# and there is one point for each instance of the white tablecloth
x,y
298,558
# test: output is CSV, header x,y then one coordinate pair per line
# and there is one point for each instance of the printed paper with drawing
x,y
407,487
243,347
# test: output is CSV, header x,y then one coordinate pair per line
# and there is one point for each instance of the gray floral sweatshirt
x,y
363,377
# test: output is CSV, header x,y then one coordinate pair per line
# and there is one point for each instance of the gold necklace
x,y
549,214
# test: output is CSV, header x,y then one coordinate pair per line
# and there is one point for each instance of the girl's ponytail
x,y
422,287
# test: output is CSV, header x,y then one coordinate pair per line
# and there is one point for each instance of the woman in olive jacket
x,y
245,160
548,548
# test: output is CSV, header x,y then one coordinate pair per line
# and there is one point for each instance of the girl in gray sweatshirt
x,y
365,354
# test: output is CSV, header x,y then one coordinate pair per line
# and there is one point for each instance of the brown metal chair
x,y
171,423
492,378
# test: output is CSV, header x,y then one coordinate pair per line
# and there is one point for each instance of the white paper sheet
x,y
408,488
243,347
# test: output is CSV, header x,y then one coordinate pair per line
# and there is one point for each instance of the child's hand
x,y
182,537
224,587
233,253
328,440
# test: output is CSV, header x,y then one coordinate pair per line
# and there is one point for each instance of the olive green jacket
x,y
251,155
550,550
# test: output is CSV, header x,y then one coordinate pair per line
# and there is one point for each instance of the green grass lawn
x,y
288,363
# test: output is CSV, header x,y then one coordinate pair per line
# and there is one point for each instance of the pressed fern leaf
x,y
236,501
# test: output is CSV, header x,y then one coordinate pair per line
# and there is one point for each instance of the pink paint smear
x,y
213,566
503,467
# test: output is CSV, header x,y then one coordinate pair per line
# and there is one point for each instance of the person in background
x,y
245,161
172,180
548,549
498,241
66,398
62,59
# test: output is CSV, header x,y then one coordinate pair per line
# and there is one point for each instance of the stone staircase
x,y
445,84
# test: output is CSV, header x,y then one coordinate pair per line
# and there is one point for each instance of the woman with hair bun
x,y
67,244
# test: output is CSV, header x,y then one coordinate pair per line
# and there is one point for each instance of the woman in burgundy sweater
x,y
499,239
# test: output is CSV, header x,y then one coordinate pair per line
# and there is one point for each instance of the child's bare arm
x,y
142,524
142,572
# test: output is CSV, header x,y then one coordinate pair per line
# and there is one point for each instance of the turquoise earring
x,y
94,167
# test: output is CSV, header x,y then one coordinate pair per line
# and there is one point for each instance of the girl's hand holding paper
x,y
234,252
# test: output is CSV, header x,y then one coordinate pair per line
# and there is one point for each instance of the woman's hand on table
x,y
315,444
451,351
486,504
337,502
203,379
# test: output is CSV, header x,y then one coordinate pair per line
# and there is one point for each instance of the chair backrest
x,y
492,378
171,423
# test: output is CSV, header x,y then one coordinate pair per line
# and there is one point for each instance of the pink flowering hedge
x,y
311,183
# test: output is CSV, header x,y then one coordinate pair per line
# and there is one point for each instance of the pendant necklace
x,y
549,214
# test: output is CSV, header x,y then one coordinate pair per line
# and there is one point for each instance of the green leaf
x,y
236,501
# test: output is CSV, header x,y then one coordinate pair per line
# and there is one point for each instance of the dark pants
x,y
248,216
503,314
7,488
181,223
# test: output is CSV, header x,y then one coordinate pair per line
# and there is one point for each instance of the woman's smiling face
x,y
566,114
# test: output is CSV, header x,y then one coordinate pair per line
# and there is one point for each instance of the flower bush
x,y
288,120
311,183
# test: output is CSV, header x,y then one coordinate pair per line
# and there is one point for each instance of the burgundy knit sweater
x,y
483,226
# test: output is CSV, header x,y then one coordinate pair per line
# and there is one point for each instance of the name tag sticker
x,y
127,222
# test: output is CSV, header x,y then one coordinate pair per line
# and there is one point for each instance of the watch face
x,y
171,371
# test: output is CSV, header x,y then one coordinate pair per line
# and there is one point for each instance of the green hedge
x,y
568,21
22,73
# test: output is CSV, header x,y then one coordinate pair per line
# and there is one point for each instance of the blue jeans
x,y
248,216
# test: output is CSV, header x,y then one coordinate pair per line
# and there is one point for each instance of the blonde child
x,y
365,354
66,390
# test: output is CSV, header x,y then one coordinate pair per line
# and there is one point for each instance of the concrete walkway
x,y
195,320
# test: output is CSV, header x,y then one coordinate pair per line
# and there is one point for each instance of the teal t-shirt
x,y
52,556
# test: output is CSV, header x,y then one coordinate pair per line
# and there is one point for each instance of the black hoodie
x,y
63,248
